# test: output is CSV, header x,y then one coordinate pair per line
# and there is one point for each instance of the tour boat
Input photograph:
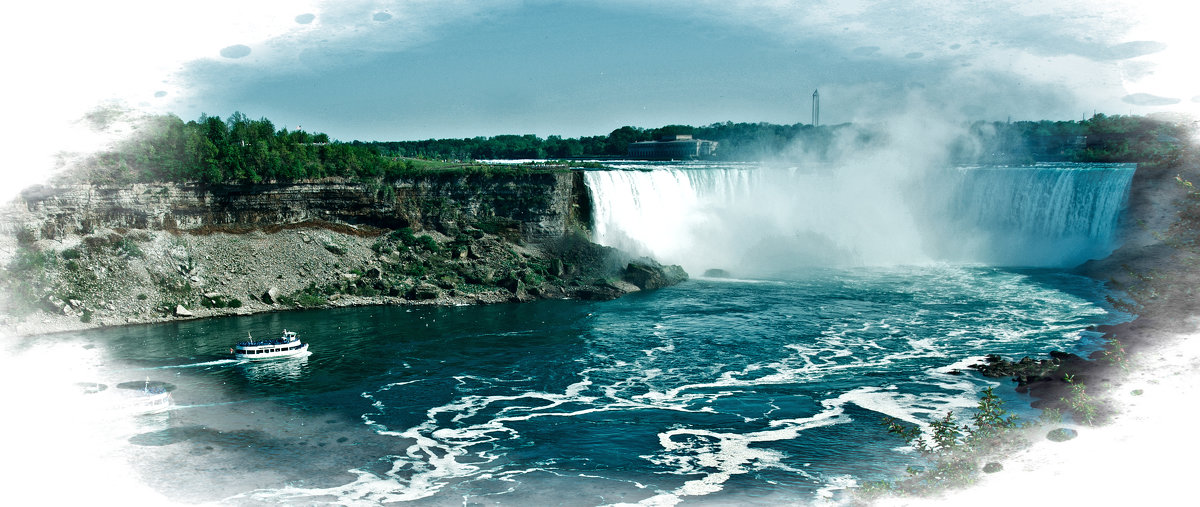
x,y
147,400
285,346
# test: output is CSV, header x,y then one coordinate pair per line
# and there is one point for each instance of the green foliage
x,y
70,254
128,247
404,235
312,296
1114,353
1080,402
953,449
240,150
427,242
1102,138
414,269
31,261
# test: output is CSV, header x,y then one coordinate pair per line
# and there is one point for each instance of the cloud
x,y
865,50
1146,99
1135,49
236,51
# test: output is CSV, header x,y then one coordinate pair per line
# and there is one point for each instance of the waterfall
x,y
756,220
1040,215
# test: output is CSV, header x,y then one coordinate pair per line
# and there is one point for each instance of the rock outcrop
x,y
146,253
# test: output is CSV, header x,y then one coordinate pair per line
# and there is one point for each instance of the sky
x,y
419,69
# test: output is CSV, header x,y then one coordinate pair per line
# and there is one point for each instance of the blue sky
x,y
408,70
416,69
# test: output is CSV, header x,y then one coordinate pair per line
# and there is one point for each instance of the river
x,y
764,386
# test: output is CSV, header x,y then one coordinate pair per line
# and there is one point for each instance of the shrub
x,y
427,242
128,247
1080,403
952,448
404,235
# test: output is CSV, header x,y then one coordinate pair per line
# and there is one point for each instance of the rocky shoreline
x,y
1151,274
77,258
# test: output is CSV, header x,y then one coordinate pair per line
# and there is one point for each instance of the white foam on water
x,y
218,362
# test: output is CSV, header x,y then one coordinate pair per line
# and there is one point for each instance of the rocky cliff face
x,y
539,207
81,256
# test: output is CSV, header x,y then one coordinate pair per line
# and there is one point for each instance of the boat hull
x,y
261,354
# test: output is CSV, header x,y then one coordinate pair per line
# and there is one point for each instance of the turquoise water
x,y
713,391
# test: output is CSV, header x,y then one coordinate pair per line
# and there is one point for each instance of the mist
x,y
884,194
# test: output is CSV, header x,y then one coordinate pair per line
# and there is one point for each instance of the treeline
x,y
738,141
1101,138
241,150
1098,139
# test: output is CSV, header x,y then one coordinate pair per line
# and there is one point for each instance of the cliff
x,y
78,255
540,205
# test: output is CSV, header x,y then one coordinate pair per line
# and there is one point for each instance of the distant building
x,y
672,147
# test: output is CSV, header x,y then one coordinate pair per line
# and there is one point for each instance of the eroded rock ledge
x,y
80,256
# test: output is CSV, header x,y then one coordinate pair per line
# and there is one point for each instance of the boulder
x,y
57,305
180,311
992,467
651,275
716,273
1061,434
271,296
424,291
512,284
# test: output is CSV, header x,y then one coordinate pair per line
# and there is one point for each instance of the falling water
x,y
758,220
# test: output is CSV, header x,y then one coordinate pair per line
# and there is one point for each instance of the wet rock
x,y
651,275
1061,434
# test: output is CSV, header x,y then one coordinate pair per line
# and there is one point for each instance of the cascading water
x,y
756,220
1041,215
